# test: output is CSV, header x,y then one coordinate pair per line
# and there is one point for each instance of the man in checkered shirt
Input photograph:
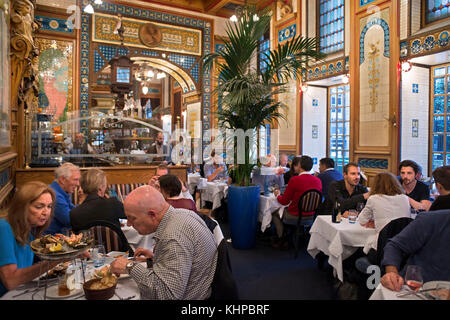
x,y
185,253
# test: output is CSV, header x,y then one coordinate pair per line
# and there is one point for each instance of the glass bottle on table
x,y
336,213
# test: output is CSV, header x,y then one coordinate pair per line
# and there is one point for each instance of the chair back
x,y
223,286
389,231
309,202
110,236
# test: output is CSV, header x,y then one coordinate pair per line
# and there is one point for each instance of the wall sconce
x,y
144,89
303,87
406,65
346,78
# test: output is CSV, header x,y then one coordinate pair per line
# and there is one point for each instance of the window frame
x,y
423,23
445,114
329,94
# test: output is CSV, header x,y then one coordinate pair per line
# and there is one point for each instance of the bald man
x,y
185,253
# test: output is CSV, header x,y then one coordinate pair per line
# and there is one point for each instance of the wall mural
x,y
55,77
374,89
5,79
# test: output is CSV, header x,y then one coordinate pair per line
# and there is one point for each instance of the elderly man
x,y
67,178
216,169
185,253
265,177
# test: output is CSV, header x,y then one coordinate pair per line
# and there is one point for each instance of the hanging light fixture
x,y
144,89
98,2
160,75
240,11
89,9
346,78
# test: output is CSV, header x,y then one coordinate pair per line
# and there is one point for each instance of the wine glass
x,y
359,207
413,277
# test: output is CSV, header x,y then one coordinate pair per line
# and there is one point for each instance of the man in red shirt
x,y
296,187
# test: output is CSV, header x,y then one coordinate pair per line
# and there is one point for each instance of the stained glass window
x,y
264,48
440,109
331,25
339,125
436,10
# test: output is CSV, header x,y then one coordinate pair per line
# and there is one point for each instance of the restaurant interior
x,y
94,82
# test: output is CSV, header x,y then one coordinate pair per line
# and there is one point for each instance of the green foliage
x,y
248,95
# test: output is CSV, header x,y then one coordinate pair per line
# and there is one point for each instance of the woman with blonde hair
x,y
387,202
29,214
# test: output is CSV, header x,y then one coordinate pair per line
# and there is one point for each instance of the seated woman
x,y
28,215
387,202
170,187
95,207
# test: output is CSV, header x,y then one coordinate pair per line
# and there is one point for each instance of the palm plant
x,y
249,95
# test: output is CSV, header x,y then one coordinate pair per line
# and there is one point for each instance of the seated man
x,y
441,177
67,178
159,148
296,187
417,191
284,161
216,169
265,177
185,253
327,174
162,170
348,192
425,242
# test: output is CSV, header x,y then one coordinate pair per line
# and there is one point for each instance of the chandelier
x,y
242,11
145,73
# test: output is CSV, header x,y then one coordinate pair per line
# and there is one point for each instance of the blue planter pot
x,y
243,208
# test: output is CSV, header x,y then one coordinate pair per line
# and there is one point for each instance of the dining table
x,y
192,181
338,240
267,205
212,191
427,292
126,288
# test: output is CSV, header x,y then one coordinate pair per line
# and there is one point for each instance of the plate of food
x,y
437,289
105,271
55,272
59,246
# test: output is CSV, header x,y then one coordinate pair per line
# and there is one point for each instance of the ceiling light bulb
x,y
99,2
406,66
150,74
89,9
144,90
234,18
255,17
160,75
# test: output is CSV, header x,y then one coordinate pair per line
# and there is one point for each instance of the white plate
x,y
432,285
122,276
52,293
117,254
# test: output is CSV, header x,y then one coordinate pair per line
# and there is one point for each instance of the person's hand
x,y
345,214
85,254
143,254
370,224
392,281
119,265
366,195
220,169
279,171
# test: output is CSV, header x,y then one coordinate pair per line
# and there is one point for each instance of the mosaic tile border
x,y
327,69
287,33
373,163
55,24
425,44
151,15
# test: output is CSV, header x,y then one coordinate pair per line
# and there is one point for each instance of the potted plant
x,y
249,102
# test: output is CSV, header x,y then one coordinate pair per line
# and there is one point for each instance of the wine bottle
x,y
339,214
335,213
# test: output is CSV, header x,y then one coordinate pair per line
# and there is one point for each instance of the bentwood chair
x,y
110,236
308,202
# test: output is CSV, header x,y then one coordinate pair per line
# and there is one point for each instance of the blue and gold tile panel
x,y
55,24
287,33
373,163
363,3
372,22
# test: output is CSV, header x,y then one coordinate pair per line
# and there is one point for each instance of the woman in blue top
x,y
29,213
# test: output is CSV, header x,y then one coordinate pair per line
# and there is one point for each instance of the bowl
x,y
102,294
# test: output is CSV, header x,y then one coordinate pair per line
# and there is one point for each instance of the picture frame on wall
x,y
5,79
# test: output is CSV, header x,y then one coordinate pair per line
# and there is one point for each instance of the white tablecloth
x,y
267,205
338,240
136,240
214,192
193,180
126,287
383,293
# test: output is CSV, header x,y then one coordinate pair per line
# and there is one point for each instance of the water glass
x,y
352,216
98,255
